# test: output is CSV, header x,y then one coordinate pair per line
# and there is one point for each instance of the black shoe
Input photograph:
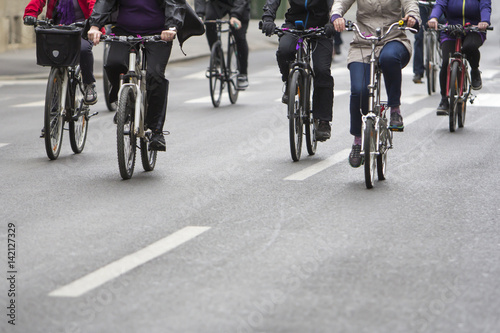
x,y
157,141
284,98
396,123
475,79
417,78
323,131
355,159
42,133
443,108
242,81
90,95
336,48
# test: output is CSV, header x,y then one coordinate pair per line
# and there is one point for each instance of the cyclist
x,y
144,17
475,12
67,12
394,54
313,13
239,12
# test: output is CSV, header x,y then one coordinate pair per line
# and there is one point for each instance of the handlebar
x,y
429,3
49,23
131,39
458,29
352,26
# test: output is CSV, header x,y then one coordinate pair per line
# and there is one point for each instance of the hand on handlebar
x,y
268,27
168,35
432,23
29,20
410,21
329,30
94,35
339,24
483,26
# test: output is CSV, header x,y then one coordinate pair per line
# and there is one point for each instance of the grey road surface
x,y
227,234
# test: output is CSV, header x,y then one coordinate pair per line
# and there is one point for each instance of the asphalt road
x,y
227,234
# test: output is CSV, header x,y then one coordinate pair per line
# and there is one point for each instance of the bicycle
x,y
376,137
223,71
300,83
432,53
132,107
58,46
458,82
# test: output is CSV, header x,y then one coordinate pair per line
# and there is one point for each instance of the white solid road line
x,y
125,264
344,154
29,105
3,144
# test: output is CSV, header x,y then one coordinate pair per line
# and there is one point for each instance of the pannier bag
x,y
58,46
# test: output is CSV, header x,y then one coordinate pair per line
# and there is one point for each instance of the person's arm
x,y
270,9
200,8
34,8
337,12
412,13
485,9
101,11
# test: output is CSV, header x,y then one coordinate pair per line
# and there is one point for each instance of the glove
x,y
29,20
329,30
268,27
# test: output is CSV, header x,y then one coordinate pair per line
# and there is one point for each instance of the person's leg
x,y
285,55
323,87
87,67
418,54
470,47
360,77
447,48
240,36
116,64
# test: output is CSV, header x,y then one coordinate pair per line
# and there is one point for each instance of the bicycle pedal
x,y
93,114
397,129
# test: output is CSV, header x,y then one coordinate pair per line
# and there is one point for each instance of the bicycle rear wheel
x,y
216,73
295,112
462,105
148,156
454,96
384,145
309,122
233,71
53,115
78,125
369,151
429,62
106,82
125,136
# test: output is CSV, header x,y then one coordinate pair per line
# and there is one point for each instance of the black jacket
x,y
312,12
237,8
178,14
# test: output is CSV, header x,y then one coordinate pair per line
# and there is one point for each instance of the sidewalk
x,y
21,64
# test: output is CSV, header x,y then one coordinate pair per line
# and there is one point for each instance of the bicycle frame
x,y
458,57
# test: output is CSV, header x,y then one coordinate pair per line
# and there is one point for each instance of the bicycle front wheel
x,y
106,82
53,115
454,96
78,125
462,105
295,113
369,151
233,71
310,124
384,146
216,73
125,136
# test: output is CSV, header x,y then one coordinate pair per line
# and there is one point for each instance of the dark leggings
x,y
470,47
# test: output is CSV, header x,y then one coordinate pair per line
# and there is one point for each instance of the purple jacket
x,y
463,12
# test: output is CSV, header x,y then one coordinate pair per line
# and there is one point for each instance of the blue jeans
x,y
393,58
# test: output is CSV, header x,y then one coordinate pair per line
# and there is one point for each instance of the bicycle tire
x,y
233,70
106,83
125,136
454,97
309,123
384,143
295,106
438,60
462,105
78,128
429,62
369,151
53,117
148,156
216,73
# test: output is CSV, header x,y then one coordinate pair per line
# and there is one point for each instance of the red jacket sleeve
x,y
34,8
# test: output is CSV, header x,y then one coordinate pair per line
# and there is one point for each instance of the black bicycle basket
x,y
58,46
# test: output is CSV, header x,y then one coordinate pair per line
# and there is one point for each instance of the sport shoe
x,y
284,98
475,79
90,95
396,123
157,141
355,159
444,106
323,131
242,81
417,78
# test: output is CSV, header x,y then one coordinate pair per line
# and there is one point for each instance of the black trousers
x,y
214,12
470,47
323,80
157,55
87,62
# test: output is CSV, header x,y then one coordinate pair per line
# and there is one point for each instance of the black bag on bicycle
x,y
59,47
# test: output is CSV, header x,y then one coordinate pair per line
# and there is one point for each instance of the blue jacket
x,y
463,11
